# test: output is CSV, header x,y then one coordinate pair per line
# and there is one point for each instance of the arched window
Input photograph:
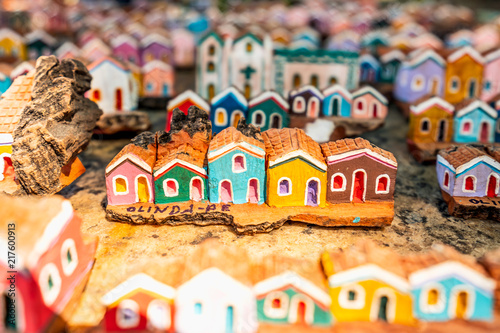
x,y
333,80
314,80
467,127
297,81
276,304
239,163
417,83
120,185
96,95
425,125
360,106
220,117
249,47
69,257
210,67
49,281
171,187
210,91
382,184
470,184
433,297
127,314
259,118
211,50
284,186
159,314
454,84
299,104
446,180
338,182
275,121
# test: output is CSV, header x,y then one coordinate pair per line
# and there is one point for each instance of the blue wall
x,y
344,107
230,103
477,117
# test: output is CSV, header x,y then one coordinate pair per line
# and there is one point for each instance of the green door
x,y
382,311
229,319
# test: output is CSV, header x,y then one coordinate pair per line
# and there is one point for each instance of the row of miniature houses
x,y
231,293
270,110
464,74
282,168
436,120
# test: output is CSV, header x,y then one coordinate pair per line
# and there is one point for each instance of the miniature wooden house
x,y
155,46
21,69
126,48
111,85
227,108
359,171
210,66
306,101
285,297
52,263
431,121
39,43
129,175
447,285
5,82
337,101
268,110
368,103
184,45
182,102
95,49
464,75
491,81
374,40
158,79
236,168
427,41
390,63
67,50
139,303
296,173
369,68
12,45
460,38
468,171
422,74
363,287
180,173
475,121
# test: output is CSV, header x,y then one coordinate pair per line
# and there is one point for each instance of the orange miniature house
x,y
431,121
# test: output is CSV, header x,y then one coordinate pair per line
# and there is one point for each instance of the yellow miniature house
x,y
431,121
368,283
12,44
296,174
464,74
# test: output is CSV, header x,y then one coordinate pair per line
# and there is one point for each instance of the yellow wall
x,y
464,68
434,115
299,173
403,306
8,45
6,149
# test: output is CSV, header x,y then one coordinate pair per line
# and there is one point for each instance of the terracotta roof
x,y
146,155
367,252
281,142
230,135
439,254
13,102
193,151
342,146
458,155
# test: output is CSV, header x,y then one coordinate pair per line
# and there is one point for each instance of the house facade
x,y
369,68
227,108
268,110
210,70
359,172
431,121
491,81
306,101
182,102
12,45
39,43
337,101
126,49
155,46
475,121
158,79
368,103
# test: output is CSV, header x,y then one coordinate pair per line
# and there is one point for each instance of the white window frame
x,y
295,102
318,195
220,189
450,84
339,103
392,302
233,115
49,295
471,299
424,298
258,189
276,313
130,305
115,192
449,180
474,183
497,188
202,187
462,127
354,179
233,165
414,85
69,267
289,187
344,182
358,303
165,181
388,184
421,123
254,118
216,118
294,303
152,317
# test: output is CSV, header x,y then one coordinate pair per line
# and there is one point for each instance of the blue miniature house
x,y
369,68
475,121
337,101
236,168
5,82
228,107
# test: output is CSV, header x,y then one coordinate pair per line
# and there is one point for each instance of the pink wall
x,y
491,71
367,110
158,77
130,172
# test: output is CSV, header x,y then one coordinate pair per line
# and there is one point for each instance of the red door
x,y
119,101
196,190
8,169
301,313
358,188
485,132
253,191
226,193
492,187
375,110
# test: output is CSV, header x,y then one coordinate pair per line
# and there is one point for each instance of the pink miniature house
x,y
52,262
184,48
158,79
95,49
129,177
491,79
126,48
368,103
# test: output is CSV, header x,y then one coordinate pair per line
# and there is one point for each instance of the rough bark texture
x,y
249,130
55,126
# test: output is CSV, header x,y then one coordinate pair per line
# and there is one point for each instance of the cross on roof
x,y
248,71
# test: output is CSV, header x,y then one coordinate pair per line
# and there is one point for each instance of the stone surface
x,y
55,126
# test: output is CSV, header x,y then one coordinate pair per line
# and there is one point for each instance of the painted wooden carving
x,y
369,69
158,79
126,49
469,177
155,46
39,43
52,264
475,121
268,110
13,45
227,108
368,103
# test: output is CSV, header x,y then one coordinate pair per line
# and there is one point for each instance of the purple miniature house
x,y
126,48
306,101
156,47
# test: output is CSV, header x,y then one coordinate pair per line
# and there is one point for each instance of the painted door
x,y
196,190
492,187
229,319
462,303
435,86
335,106
253,191
275,121
226,192
165,90
248,91
358,188
484,135
382,310
472,88
441,131
118,99
142,189
301,313
312,193
375,110
211,91
236,118
313,107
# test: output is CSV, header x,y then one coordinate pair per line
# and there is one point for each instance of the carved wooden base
x,y
253,218
473,207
